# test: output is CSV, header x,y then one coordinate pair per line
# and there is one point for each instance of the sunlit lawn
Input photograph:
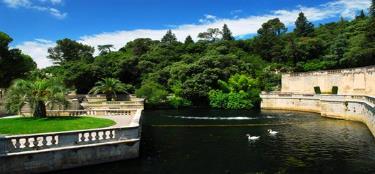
x,y
23,125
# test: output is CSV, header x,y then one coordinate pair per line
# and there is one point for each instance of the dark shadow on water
x,y
178,142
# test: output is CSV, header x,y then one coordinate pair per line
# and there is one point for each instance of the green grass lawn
x,y
23,125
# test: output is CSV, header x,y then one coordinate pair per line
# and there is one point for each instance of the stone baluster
x,y
17,145
53,140
91,137
35,142
44,141
97,136
82,138
27,143
111,134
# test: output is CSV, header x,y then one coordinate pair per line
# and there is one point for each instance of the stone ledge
x,y
130,141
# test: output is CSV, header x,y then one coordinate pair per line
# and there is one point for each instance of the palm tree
x,y
110,87
38,94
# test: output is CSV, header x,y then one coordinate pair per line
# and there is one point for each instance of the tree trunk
x,y
40,110
109,97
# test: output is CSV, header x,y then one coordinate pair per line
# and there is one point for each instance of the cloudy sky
x,y
35,25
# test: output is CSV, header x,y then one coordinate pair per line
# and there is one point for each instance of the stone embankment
x,y
349,107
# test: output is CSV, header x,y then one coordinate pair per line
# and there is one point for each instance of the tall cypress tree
x,y
361,15
370,34
372,9
303,28
189,40
227,34
169,37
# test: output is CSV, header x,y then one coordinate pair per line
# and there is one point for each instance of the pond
x,y
214,141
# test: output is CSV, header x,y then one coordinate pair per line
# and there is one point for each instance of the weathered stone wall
x,y
355,108
64,158
357,81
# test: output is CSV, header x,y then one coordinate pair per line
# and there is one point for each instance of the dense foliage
x,y
192,73
38,93
13,64
240,92
110,87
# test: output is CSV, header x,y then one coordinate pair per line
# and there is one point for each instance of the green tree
x,y
70,50
339,47
110,87
227,34
139,46
240,92
370,33
361,15
372,9
153,93
268,42
304,49
189,40
37,93
105,49
304,28
13,64
169,37
212,34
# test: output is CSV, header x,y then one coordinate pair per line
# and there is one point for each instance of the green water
x,y
214,142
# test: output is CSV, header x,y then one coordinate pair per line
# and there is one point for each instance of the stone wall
x,y
355,108
46,152
64,158
356,81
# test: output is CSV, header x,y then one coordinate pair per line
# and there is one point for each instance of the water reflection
x,y
212,141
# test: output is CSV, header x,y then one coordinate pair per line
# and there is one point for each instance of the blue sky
x,y
36,24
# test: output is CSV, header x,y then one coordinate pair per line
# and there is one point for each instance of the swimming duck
x,y
250,138
271,132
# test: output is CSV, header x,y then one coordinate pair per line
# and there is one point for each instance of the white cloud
x,y
208,18
348,8
29,4
17,3
37,49
239,27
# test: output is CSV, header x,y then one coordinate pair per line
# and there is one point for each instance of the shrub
x,y
178,102
153,93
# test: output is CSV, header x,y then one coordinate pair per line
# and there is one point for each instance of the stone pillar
x,y
75,104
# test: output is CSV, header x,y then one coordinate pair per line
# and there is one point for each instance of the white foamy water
x,y
220,118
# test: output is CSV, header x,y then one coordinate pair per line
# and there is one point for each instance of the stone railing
x,y
285,94
370,100
335,71
116,102
32,142
100,112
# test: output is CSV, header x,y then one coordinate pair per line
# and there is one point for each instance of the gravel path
x,y
120,120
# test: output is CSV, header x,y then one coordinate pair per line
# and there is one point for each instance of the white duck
x,y
251,138
271,132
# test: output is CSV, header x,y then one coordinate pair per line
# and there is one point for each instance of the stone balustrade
x,y
116,102
335,71
361,98
100,112
24,143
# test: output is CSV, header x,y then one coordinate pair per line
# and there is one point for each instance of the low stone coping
x,y
71,147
